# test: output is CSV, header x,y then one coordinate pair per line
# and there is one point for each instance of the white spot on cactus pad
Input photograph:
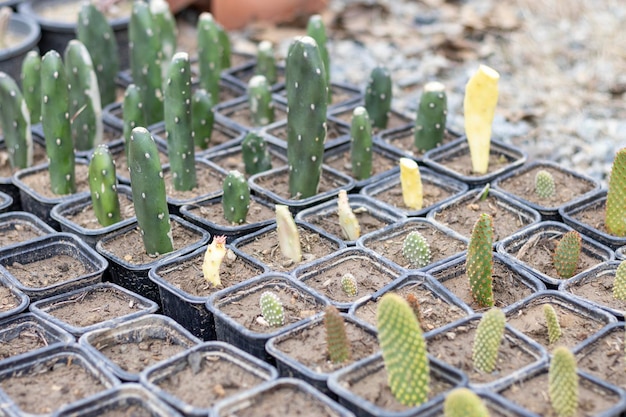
x,y
146,155
431,105
312,106
160,216
314,158
143,195
55,75
58,141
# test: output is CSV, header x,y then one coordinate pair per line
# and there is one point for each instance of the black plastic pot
x,y
397,120
6,201
188,308
251,336
28,32
513,245
496,406
13,301
336,134
17,227
231,158
236,113
133,274
193,361
144,329
30,255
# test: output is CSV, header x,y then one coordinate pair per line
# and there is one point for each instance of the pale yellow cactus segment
x,y
481,97
288,235
347,219
411,182
213,260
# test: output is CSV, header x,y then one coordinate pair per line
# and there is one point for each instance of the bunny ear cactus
x,y
55,120
132,109
306,117
266,62
361,144
202,118
260,101
103,186
432,113
288,235
349,285
619,284
405,357
544,184
481,97
462,402
317,30
272,309
148,187
487,340
15,122
614,219
378,95
552,322
31,84
256,155
337,343
236,197
166,30
209,55
411,183
567,254
347,219
563,382
416,249
479,263
213,257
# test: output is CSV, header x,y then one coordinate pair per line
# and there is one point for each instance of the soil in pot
x,y
597,286
342,162
86,217
209,181
461,162
334,131
49,271
39,157
432,194
242,115
395,120
214,213
27,332
39,181
26,341
13,232
329,222
593,215
604,358
8,300
279,183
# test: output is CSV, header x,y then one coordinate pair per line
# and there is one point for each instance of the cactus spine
x,y
95,32
347,219
432,112
361,144
416,249
567,254
405,357
272,309
288,235
563,382
256,155
166,30
103,186
266,62
15,122
31,84
236,198
212,261
177,111
317,30
619,284
306,119
487,340
85,106
481,97
479,263
209,55
148,189
337,343
132,108
615,221
349,285
544,184
378,95
411,183
552,322
55,120
202,118
260,101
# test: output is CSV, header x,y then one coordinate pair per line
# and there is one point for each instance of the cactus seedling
x,y
349,285
260,101
432,112
361,144
272,309
132,109
317,30
405,357
15,121
209,55
202,118
103,186
487,340
479,263
481,97
619,284
31,84
347,219
236,198
462,402
614,218
212,261
544,184
563,382
266,62
337,342
552,322
167,32
225,49
567,254
378,97
414,303
288,235
416,249
411,183
256,155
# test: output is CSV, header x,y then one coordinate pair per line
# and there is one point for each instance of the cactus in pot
x,y
430,124
103,186
288,235
347,219
563,382
236,197
337,342
416,250
349,285
202,118
544,184
272,309
463,402
487,340
552,323
567,254
213,257
378,95
209,55
619,283
167,32
614,219
411,183
260,101
256,156
479,261
306,118
361,144
317,30
31,84
133,112
266,62
15,122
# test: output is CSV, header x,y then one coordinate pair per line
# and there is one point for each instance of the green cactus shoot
x,y
479,261
619,283
202,118
266,62
416,250
15,122
361,144
462,402
317,30
236,197
337,343
272,309
255,153
563,382
209,55
544,184
132,109
487,340
378,95
349,285
103,186
614,219
567,254
260,101
430,124
552,323
31,84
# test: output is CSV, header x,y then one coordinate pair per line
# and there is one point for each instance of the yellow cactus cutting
x,y
213,259
347,219
411,182
481,97
288,236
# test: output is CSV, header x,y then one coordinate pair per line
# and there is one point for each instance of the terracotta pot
x,y
234,14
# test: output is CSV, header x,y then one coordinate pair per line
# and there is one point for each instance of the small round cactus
x,y
272,309
416,249
349,285
567,254
544,184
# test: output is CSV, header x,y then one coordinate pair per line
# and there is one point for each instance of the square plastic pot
x,y
402,142
231,158
397,120
236,114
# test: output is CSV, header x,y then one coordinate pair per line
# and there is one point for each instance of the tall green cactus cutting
x,y
378,96
479,263
256,155
266,62
306,119
15,122
614,220
432,112
133,112
209,55
149,196
103,186
31,84
488,339
317,30
202,118
177,111
166,31
361,144
225,48
567,254
55,120
260,101
563,382
236,197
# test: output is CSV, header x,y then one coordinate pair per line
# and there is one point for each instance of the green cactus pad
x,y
487,340
15,122
266,62
337,343
349,285
272,309
256,155
462,402
563,382
225,48
103,186
619,284
132,109
236,198
378,95
430,124
416,250
167,31
260,101
361,144
567,254
31,84
552,323
202,118
615,221
544,184
209,55
317,30
479,262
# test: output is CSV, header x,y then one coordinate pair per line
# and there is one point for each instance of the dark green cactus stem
x,y
225,48
95,32
306,118
256,155
432,112
272,309
166,30
416,250
148,186
563,382
619,284
55,120
132,108
544,184
349,285
567,254
31,84
361,144
462,402
103,186
177,108
552,323
15,122
405,357
378,95
202,118
487,340
317,30
236,198
146,58
85,107
260,101
266,62
337,343
209,55
615,221
479,263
